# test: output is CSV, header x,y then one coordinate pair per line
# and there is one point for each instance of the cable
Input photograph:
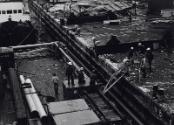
x,y
26,37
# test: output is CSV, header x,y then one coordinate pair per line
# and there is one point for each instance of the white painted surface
x,y
12,6
28,97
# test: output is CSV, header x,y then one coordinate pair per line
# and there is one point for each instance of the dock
x,y
97,37
87,55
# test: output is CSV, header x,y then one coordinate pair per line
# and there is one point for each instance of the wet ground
x,y
39,67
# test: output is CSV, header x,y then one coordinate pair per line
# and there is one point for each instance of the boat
x,y
15,25
13,10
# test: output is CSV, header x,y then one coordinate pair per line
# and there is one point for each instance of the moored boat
x,y
15,25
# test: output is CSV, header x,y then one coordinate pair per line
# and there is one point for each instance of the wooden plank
x,y
17,95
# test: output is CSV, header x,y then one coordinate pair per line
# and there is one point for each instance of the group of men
x,y
146,58
70,73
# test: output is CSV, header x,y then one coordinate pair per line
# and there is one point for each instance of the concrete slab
x,y
77,118
67,106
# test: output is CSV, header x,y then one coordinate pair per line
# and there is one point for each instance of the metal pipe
x,y
32,45
37,101
32,107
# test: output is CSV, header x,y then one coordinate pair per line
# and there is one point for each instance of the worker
x,y
81,77
149,56
141,48
130,16
77,29
93,78
55,81
94,47
70,74
131,52
62,21
134,5
143,67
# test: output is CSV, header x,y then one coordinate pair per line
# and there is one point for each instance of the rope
x,y
26,37
107,89
111,78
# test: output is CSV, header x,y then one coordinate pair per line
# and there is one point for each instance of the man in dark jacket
x,y
81,76
70,73
130,53
149,56
141,48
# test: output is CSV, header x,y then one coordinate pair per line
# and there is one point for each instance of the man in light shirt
x,y
55,81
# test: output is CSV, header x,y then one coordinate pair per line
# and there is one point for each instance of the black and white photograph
x,y
86,62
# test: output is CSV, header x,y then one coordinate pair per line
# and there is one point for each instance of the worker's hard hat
x,y
81,68
125,60
69,63
76,25
139,44
93,38
132,47
148,49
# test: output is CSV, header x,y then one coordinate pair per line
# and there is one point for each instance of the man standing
x,y
81,76
141,48
55,81
94,48
130,53
134,5
149,57
93,78
143,67
130,16
70,73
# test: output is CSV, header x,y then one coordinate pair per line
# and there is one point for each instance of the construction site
x,y
109,41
